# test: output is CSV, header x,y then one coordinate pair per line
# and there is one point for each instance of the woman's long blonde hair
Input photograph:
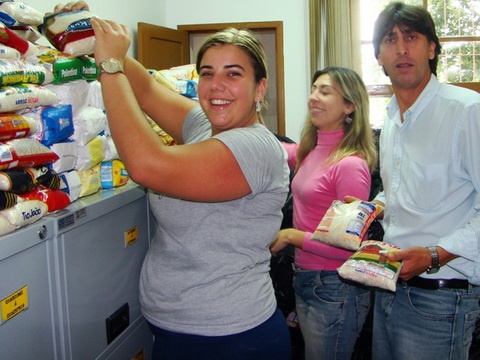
x,y
358,139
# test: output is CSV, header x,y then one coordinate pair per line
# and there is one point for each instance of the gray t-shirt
x,y
207,270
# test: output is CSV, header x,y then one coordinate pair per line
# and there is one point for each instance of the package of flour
x,y
71,32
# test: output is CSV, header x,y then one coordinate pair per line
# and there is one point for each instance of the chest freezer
x,y
99,244
27,313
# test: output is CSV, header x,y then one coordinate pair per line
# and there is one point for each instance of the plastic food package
x,y
71,32
369,266
345,224
181,79
90,71
90,181
91,154
111,152
5,226
61,66
8,199
68,155
25,96
95,95
15,12
27,32
25,212
7,52
71,184
14,126
55,199
17,180
11,39
113,174
24,152
13,72
74,93
24,180
53,123
90,123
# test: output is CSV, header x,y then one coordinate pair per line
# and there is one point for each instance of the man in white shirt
x,y
430,169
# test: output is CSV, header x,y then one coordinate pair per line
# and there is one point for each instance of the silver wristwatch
x,y
435,265
110,66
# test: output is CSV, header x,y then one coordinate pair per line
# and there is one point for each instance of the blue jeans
x,y
418,324
331,313
267,341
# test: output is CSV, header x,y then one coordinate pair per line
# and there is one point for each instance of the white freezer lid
x,y
93,206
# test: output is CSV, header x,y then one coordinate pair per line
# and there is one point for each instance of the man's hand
x,y
416,260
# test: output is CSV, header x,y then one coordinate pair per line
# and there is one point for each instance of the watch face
x,y
111,66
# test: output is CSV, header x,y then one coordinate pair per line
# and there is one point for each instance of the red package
x,y
71,32
16,126
25,152
55,199
9,38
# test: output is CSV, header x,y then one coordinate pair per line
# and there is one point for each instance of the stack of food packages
x,y
55,145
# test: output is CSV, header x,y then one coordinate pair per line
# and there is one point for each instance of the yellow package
x,y
90,180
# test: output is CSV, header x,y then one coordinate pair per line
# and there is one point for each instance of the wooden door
x,y
161,47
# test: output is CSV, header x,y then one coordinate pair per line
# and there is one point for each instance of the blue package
x,y
54,123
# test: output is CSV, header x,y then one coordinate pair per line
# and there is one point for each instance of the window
x,y
458,28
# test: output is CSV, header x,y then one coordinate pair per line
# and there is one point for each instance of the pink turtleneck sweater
x,y
314,187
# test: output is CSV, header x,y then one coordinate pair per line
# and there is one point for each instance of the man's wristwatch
x,y
435,265
110,66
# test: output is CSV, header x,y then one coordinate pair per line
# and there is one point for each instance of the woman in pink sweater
x,y
334,158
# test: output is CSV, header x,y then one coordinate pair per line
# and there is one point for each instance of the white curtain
x,y
334,34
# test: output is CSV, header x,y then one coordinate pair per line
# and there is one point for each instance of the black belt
x,y
435,284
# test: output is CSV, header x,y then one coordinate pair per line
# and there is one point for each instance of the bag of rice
x,y
24,152
25,212
369,266
25,96
7,52
14,126
13,72
71,32
345,224
15,12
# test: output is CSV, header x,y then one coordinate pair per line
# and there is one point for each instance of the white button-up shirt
x,y
430,168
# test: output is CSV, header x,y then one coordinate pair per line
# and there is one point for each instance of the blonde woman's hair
x,y
358,139
245,40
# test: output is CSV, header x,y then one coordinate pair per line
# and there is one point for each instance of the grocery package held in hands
x,y
70,32
370,266
345,224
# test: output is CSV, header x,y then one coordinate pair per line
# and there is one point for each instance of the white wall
x,y
170,13
125,12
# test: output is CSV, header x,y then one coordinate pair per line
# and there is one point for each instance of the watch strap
x,y
435,265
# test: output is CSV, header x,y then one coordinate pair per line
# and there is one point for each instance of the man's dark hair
x,y
408,18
